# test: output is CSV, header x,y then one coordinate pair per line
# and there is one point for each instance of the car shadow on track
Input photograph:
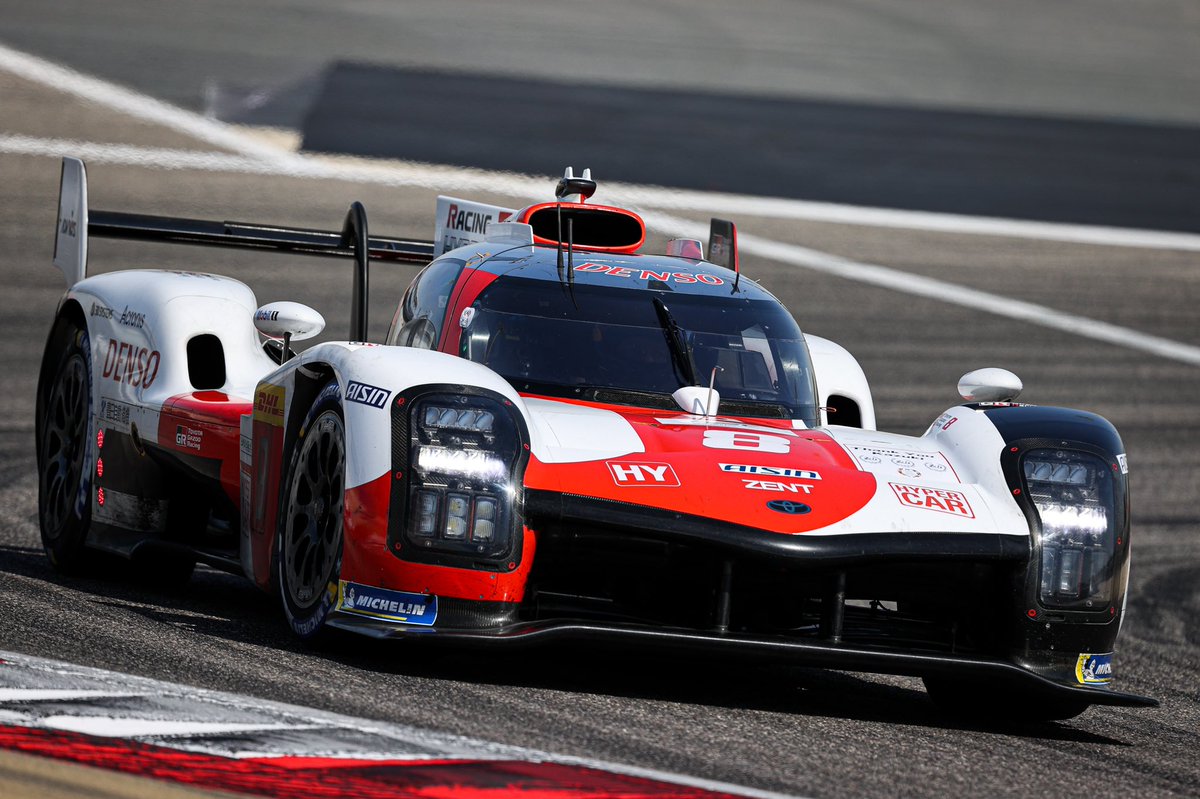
x,y
222,606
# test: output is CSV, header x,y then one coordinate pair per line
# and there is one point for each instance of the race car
x,y
565,437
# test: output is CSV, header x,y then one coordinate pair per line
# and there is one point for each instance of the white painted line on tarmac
x,y
535,189
119,98
228,725
921,286
135,104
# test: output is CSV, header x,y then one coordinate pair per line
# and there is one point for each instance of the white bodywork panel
x,y
838,372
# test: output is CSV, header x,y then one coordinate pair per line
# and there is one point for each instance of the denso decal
x,y
773,485
131,364
365,394
651,274
386,605
939,499
643,474
770,471
268,404
1094,669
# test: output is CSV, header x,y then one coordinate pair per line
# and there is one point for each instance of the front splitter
x,y
817,654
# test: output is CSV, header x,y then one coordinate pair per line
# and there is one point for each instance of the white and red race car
x,y
564,437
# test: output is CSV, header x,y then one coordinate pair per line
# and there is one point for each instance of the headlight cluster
x,y
463,456
1073,494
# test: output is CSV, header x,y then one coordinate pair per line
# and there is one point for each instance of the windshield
x,y
637,347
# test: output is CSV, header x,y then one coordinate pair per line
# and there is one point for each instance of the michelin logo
x,y
1094,669
385,605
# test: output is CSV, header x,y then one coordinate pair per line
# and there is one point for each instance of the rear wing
x,y
76,223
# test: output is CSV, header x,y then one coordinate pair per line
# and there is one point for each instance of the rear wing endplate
x,y
76,223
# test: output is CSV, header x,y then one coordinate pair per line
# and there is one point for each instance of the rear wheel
x,y
309,558
64,470
981,701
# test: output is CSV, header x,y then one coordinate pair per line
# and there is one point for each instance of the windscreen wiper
x,y
677,343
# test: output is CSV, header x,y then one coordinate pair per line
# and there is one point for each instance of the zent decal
x,y
643,474
770,485
744,440
938,499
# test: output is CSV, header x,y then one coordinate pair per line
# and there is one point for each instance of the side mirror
x,y
989,385
288,321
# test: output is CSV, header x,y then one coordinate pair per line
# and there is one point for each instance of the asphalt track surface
x,y
809,732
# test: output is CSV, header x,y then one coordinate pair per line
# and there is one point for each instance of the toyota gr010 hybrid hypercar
x,y
562,436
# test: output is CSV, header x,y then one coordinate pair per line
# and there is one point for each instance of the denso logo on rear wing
x,y
462,222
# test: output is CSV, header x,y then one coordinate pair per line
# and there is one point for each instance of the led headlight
x,y
1073,494
464,453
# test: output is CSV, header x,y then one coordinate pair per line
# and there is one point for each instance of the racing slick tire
x,y
64,472
309,552
985,702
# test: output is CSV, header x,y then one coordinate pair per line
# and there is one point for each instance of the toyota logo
x,y
787,506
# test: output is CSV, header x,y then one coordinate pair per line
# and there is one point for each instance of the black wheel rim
x,y
313,532
64,445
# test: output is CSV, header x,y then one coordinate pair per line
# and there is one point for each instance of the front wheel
x,y
309,558
981,701
64,470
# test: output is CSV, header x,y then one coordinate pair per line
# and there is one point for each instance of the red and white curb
x,y
219,741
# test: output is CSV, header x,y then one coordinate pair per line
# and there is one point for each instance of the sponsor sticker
x,y
188,437
643,474
770,471
1094,669
775,485
131,364
789,507
1123,462
268,404
386,605
651,274
938,499
365,394
114,415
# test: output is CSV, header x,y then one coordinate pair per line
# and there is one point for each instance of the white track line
x,y
921,286
449,179
101,92
256,157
